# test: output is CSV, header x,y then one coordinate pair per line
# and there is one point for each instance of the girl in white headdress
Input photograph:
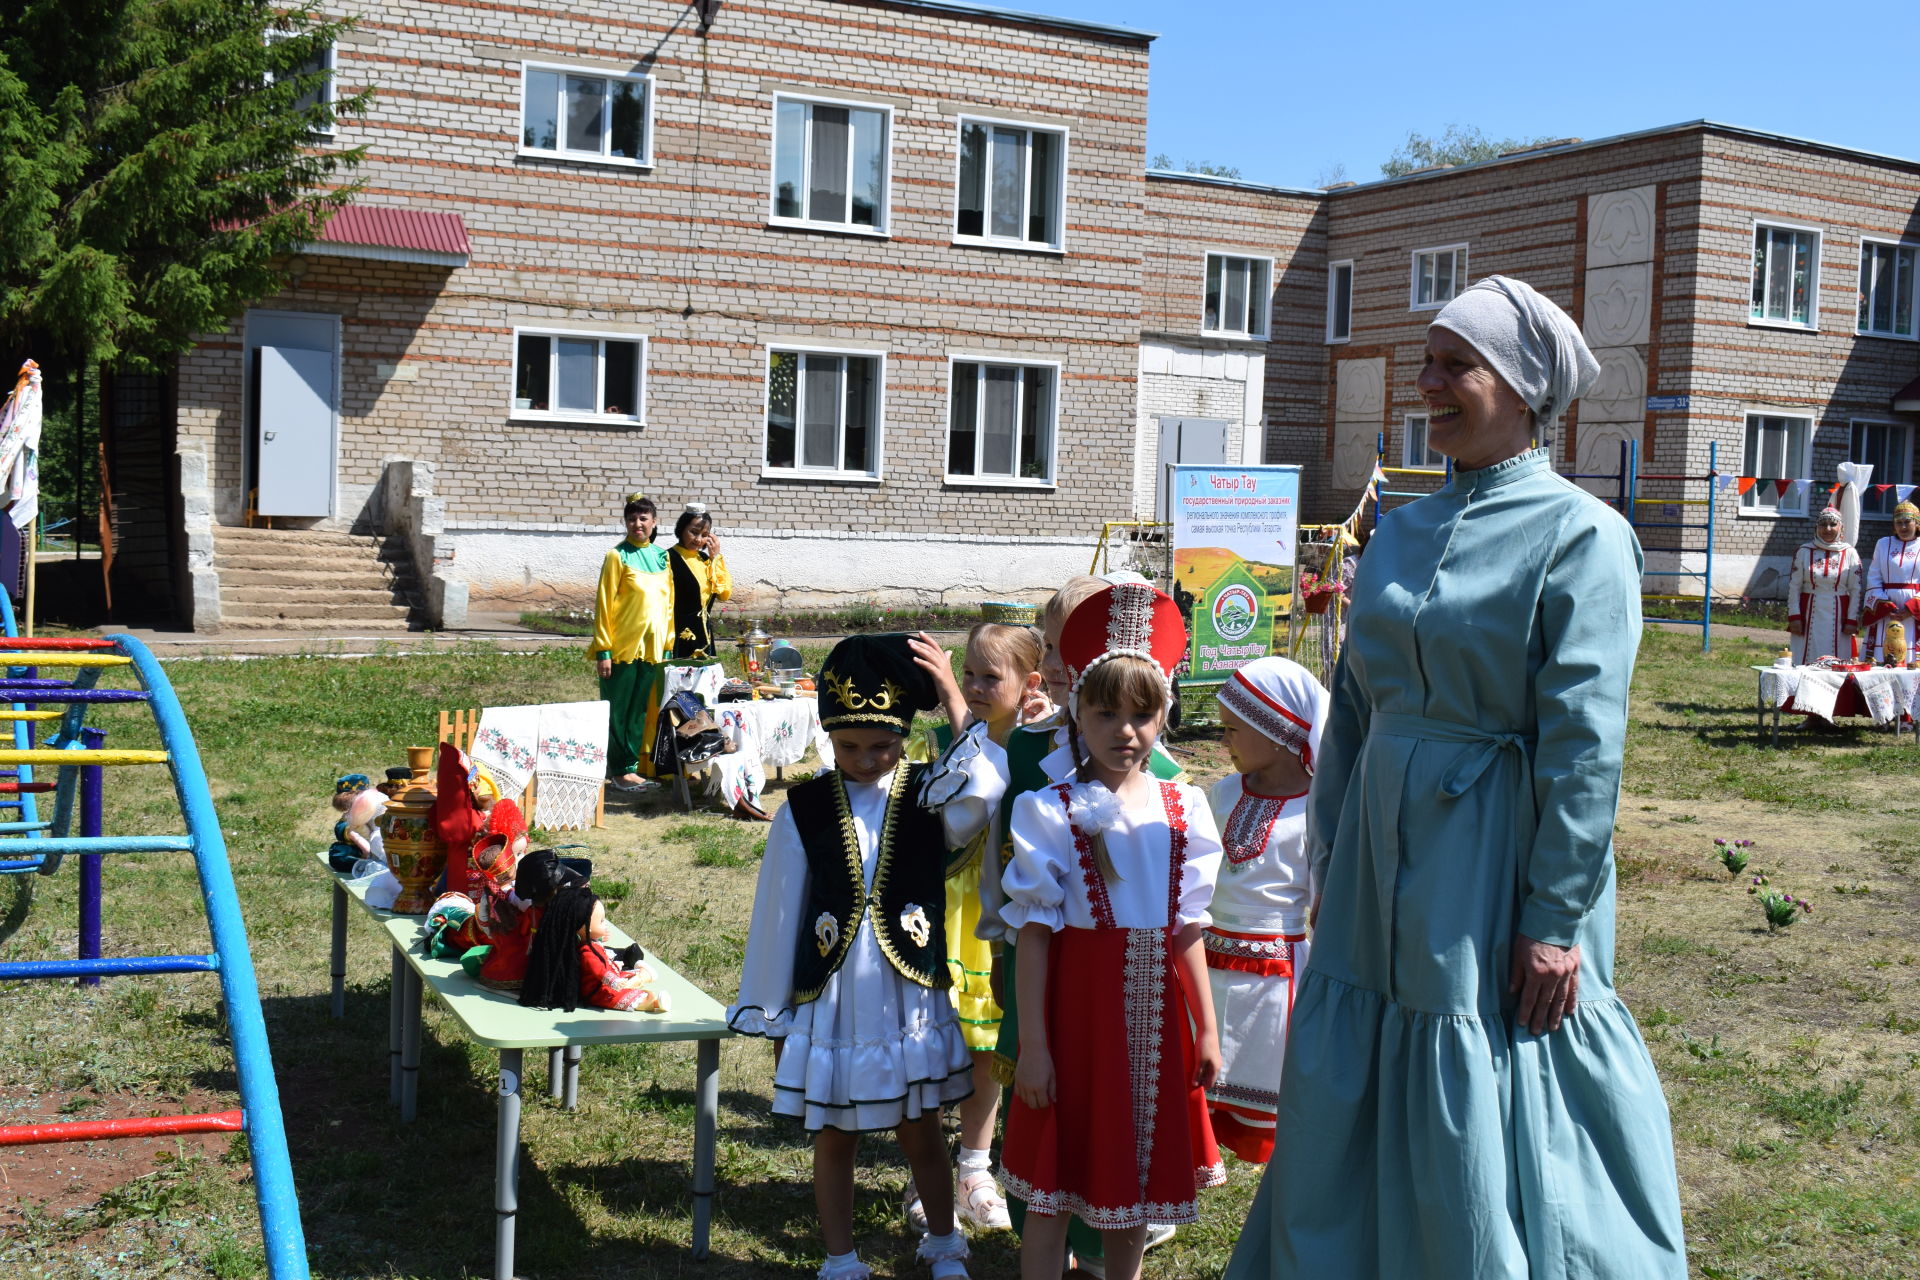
x,y
1272,711
1823,593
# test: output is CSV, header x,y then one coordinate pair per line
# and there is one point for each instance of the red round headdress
x,y
1130,619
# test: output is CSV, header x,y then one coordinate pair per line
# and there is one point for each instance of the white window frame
x,y
603,156
976,480
638,418
329,61
1332,269
987,240
1459,252
1407,459
884,212
797,471
1913,290
1906,477
1805,469
1812,322
1266,302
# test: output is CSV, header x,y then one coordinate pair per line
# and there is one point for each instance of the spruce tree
x,y
159,162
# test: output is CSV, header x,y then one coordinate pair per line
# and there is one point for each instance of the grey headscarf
x,y
1528,340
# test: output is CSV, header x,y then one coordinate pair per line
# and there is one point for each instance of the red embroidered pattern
x,y
1176,849
1097,898
1250,824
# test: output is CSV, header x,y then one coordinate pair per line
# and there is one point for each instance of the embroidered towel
x,y
570,765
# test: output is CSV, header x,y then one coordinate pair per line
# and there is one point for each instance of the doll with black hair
x,y
569,965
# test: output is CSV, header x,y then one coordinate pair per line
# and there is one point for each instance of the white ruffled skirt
x,y
873,1051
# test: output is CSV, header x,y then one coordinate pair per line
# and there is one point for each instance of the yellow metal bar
x,y
52,755
1435,472
31,715
47,658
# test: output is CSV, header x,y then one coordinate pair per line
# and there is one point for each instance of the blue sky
x,y
1285,90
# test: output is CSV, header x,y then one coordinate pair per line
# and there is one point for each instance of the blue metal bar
x,y
280,1229
24,826
13,867
1706,594
11,681
61,846
117,966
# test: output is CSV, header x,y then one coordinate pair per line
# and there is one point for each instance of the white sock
x,y
976,1160
841,1263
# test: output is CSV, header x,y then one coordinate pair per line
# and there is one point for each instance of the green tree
x,y
157,168
1453,146
1165,162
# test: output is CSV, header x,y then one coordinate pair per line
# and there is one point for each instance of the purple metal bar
x,y
14,692
28,682
92,783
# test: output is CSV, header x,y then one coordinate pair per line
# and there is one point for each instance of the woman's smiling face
x,y
1473,416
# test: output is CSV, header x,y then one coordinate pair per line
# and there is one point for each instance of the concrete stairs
x,y
310,580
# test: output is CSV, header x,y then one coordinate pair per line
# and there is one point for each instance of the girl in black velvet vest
x,y
845,966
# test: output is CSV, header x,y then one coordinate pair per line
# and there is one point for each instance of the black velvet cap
x,y
872,682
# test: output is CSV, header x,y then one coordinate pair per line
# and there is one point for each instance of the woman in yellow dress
x,y
632,636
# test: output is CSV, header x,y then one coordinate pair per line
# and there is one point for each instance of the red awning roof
x,y
394,235
1907,398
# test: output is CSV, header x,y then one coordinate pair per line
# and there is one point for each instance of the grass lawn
x,y
1790,1059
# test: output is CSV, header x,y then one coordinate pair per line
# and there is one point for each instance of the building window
x,y
1888,446
1786,276
1239,296
1339,301
823,413
1886,288
1011,184
830,164
572,376
321,92
1438,275
1000,422
1416,452
585,116
1778,448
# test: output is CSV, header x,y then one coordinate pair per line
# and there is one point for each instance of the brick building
x,y
885,284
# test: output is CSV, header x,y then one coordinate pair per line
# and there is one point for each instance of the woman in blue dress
x,y
1464,1095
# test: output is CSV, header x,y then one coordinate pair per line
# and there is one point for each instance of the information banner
x,y
1233,546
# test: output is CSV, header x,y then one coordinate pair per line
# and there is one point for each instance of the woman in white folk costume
x,y
1271,712
1823,593
1893,580
846,957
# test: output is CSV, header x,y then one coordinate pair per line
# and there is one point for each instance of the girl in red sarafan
x,y
1109,886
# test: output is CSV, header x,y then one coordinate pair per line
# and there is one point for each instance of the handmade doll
x,y
505,919
360,831
569,964
349,846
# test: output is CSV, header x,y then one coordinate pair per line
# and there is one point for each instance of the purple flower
x,y
1721,841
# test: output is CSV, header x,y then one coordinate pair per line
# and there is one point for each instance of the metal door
x,y
295,440
1193,440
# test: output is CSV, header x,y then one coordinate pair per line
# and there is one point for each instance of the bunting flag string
x,y
1745,483
1902,492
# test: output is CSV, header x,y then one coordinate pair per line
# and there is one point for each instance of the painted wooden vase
x,y
415,853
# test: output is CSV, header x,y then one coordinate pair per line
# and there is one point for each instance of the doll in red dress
x,y
569,964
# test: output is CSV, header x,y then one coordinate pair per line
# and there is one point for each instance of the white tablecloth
x,y
1888,692
772,732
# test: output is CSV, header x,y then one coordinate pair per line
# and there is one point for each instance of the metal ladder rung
x,y
31,715
58,659
13,691
119,966
62,846
53,755
18,1135
41,644
21,828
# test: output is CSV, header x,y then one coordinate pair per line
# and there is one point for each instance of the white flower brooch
x,y
1092,808
914,921
826,932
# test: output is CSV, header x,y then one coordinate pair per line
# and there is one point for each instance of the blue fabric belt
x,y
1454,783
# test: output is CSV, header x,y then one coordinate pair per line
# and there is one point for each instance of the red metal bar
x,y
20,1135
54,642
10,788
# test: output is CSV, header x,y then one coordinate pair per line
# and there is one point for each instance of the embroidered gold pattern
x,y
826,932
895,798
914,920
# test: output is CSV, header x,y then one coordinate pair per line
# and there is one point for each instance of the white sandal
x,y
916,1212
980,1202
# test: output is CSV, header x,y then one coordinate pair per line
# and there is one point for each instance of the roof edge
x,y
1702,125
1208,179
962,8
